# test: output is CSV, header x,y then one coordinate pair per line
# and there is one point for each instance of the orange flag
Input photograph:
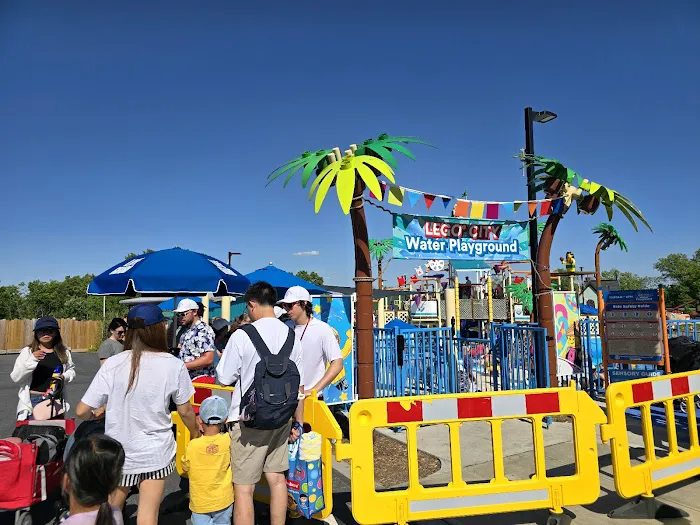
x,y
532,207
462,208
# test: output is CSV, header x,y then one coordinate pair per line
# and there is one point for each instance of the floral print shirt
x,y
194,343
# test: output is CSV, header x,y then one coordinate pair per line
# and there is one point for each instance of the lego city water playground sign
x,y
420,237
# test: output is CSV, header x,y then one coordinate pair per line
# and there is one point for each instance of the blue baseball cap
x,y
46,322
150,313
213,410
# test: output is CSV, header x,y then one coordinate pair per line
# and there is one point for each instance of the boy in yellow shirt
x,y
207,461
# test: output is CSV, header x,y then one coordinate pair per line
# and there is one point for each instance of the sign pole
x,y
664,327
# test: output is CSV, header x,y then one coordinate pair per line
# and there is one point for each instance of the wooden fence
x,y
15,334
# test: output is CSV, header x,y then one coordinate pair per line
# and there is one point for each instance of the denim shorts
x,y
220,517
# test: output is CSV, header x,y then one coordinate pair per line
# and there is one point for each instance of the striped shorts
x,y
131,480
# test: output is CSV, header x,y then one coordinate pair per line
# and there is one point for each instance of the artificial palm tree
x,y
351,174
378,250
607,237
558,181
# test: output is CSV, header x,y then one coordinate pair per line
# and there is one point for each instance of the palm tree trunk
x,y
545,307
380,283
598,280
363,287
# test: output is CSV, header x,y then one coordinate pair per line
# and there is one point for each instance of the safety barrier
x,y
317,417
641,480
460,498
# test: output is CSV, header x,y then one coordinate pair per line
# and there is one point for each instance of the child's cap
x,y
213,410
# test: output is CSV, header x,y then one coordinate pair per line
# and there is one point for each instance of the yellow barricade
x,y
316,415
460,498
654,473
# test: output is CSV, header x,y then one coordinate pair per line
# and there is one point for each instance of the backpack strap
x,y
260,346
288,346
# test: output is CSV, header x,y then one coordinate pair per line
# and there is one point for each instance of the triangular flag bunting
x,y
507,208
395,195
532,207
516,206
546,208
462,208
429,199
477,211
492,210
446,201
412,197
558,206
377,197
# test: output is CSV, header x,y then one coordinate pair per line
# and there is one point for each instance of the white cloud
x,y
311,253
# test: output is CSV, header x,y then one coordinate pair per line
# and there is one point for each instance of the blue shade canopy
x,y
281,280
169,272
469,265
398,324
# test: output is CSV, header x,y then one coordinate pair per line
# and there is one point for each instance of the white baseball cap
x,y
279,312
186,305
294,294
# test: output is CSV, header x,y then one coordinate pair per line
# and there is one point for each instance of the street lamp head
x,y
543,116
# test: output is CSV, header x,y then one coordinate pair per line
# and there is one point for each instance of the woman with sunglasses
x,y
115,342
35,365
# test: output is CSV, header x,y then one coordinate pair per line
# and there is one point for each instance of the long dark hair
x,y
58,346
141,338
94,470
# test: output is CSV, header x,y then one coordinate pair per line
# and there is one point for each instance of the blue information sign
x,y
615,375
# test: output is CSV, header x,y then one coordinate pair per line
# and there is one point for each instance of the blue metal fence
x,y
689,328
425,361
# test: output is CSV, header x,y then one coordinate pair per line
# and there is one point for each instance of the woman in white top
x,y
36,363
137,386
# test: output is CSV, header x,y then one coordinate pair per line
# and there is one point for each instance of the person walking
x,y
197,348
256,450
137,387
322,358
207,462
36,365
115,342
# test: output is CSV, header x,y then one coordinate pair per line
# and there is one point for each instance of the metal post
x,y
531,196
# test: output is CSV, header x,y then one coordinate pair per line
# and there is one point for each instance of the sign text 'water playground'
x,y
418,237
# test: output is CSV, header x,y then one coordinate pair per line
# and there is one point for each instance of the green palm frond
x,y
308,161
608,197
383,146
378,248
343,174
520,294
609,236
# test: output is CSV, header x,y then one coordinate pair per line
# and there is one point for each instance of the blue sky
x,y
132,125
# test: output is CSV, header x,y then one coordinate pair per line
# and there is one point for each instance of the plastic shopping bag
x,y
304,483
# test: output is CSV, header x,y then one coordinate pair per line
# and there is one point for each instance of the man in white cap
x,y
321,356
197,343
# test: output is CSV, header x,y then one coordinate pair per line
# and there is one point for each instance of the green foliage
x,y
609,236
379,248
132,254
681,274
312,277
521,294
629,280
10,302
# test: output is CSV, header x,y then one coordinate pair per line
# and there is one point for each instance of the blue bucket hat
x,y
150,313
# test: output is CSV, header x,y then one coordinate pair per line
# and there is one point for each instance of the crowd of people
x,y
274,355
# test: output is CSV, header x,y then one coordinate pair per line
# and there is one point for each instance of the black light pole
x,y
530,117
230,254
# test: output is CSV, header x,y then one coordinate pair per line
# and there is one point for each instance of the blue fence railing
x,y
424,361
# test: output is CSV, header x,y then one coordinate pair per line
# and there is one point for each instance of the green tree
x,y
312,277
132,254
681,274
378,250
629,280
10,302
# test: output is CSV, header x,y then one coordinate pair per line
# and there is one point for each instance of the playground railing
x,y
521,357
688,328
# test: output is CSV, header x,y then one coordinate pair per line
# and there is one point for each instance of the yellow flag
x,y
396,195
477,211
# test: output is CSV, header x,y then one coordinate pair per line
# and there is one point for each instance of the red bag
x,y
17,474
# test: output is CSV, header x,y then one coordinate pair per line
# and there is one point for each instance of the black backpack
x,y
272,399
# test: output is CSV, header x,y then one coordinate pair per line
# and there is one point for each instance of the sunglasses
x,y
46,331
288,306
120,332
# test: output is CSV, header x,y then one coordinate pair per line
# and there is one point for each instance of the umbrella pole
x,y
173,343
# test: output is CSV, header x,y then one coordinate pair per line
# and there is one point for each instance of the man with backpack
x,y
264,361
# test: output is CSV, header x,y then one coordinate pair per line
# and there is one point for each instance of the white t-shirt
x,y
319,347
237,366
140,420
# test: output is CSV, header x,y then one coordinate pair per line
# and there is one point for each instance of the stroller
x,y
31,463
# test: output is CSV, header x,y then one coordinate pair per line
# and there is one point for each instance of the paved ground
x,y
477,463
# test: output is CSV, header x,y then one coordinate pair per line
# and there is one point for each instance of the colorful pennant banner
x,y
489,210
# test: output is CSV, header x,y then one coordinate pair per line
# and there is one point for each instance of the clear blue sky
x,y
134,125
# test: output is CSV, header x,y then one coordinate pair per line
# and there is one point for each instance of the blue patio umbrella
x,y
281,280
170,272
